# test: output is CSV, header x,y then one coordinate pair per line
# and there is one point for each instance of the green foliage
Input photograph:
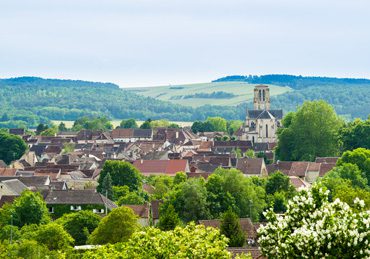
x,y
190,200
147,124
230,227
8,232
218,123
180,177
169,219
277,182
128,124
350,172
29,208
122,173
107,186
233,126
41,127
356,134
79,225
95,123
12,147
117,226
52,131
131,198
62,127
189,242
29,249
68,148
359,157
310,132
53,236
119,191
249,153
230,188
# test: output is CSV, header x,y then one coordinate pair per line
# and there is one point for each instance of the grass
x,y
69,124
243,92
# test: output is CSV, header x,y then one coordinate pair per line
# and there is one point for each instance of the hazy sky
x,y
155,42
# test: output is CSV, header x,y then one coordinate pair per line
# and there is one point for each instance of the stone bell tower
x,y
261,99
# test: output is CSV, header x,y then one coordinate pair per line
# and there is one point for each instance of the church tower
x,y
261,99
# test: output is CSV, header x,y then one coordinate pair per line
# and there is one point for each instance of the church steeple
x,y
261,99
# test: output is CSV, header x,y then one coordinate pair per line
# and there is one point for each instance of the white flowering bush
x,y
313,227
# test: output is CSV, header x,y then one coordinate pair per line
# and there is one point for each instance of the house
x,y
143,213
162,167
60,202
131,135
228,147
19,132
11,187
252,166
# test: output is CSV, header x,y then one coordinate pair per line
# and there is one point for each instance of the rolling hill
x,y
226,93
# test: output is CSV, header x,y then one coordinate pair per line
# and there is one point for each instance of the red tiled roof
x,y
122,133
250,165
313,167
141,211
329,160
170,167
326,168
7,171
297,182
298,169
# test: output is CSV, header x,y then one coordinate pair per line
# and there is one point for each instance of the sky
x,y
162,42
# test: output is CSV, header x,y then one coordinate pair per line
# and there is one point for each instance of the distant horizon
x,y
181,83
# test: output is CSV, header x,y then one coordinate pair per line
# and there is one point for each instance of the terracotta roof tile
x,y
168,167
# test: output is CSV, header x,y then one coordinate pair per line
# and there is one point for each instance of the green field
x,y
174,93
69,124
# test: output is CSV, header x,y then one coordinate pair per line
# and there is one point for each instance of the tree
x,y
41,127
180,177
192,241
146,124
12,147
218,123
169,219
233,126
94,123
277,182
122,173
53,236
107,186
359,157
230,227
250,153
313,227
197,126
190,200
356,134
310,132
62,127
79,225
118,226
68,147
129,124
131,198
350,172
29,208
52,131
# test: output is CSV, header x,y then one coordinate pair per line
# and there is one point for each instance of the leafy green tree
x,y
12,147
118,226
277,182
359,157
278,201
146,124
41,127
53,236
233,126
356,134
132,198
62,127
29,208
7,232
190,200
192,241
218,123
174,126
250,153
107,186
79,225
119,191
230,227
197,126
350,172
129,124
310,132
68,148
94,123
122,173
159,124
168,219
180,177
52,131
235,188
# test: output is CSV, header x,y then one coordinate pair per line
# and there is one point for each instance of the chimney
x,y
141,161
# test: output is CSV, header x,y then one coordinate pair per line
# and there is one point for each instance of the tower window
x,y
260,95
263,95
267,131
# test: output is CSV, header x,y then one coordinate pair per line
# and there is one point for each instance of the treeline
x,y
39,100
295,82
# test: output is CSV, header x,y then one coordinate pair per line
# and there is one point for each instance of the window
x,y
51,209
75,207
98,210
267,131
